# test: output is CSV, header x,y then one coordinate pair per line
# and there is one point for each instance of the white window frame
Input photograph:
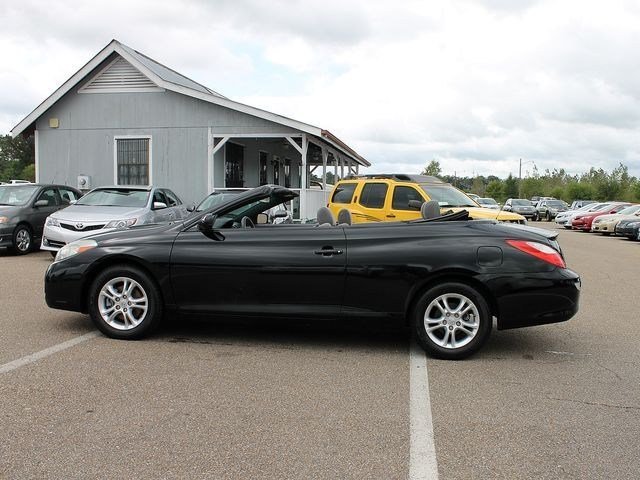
x,y
115,154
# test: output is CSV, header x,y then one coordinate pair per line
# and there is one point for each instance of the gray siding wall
x,y
177,124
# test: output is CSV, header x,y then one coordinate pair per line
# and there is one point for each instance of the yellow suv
x,y
390,198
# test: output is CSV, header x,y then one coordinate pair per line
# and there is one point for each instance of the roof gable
x,y
119,76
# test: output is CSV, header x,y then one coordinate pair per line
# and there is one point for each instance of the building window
x,y
133,158
263,168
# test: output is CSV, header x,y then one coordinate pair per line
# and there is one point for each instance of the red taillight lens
x,y
540,251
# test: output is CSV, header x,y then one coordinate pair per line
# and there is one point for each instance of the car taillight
x,y
540,251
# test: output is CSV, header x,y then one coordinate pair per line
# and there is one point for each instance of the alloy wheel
x,y
123,303
451,320
23,240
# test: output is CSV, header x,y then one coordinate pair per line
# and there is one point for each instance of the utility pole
x,y
520,180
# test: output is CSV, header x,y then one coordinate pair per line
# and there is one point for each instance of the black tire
x,y
429,342
548,217
53,254
118,328
534,218
22,240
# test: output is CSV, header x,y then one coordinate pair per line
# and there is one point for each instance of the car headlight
x,y
52,222
4,219
126,223
74,248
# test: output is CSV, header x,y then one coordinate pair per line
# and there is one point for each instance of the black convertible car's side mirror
x,y
205,225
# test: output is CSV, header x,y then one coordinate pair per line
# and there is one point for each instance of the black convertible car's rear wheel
x,y
452,321
124,303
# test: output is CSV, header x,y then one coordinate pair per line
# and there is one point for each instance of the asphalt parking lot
x,y
267,399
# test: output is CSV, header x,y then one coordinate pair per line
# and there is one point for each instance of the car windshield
x,y
521,203
14,195
629,210
115,197
448,196
556,203
216,199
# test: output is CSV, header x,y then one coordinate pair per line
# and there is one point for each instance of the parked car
x,y
110,208
629,229
18,182
521,206
583,221
564,218
606,224
580,203
547,209
473,197
277,214
224,261
486,202
393,197
24,209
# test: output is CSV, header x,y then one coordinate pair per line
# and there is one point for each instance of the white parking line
x,y
423,464
34,357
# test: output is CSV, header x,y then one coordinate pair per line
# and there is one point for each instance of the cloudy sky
x,y
474,84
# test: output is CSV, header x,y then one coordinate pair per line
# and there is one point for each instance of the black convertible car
x,y
446,276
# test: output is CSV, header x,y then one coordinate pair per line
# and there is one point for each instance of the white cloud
x,y
476,84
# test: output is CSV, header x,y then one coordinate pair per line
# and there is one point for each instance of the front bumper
x,y
581,225
6,234
54,238
543,298
603,227
626,231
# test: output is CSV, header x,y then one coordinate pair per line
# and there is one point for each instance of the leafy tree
x,y
495,189
432,169
510,188
15,155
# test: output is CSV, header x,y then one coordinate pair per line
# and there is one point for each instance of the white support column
x,y
341,168
357,169
303,179
325,156
210,163
37,153
335,168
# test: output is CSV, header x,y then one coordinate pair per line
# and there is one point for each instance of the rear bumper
x,y
542,298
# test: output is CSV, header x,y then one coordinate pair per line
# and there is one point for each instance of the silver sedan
x,y
109,208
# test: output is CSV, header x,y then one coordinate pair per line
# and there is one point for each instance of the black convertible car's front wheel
x,y
452,321
124,303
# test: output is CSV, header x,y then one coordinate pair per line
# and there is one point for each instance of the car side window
x,y
49,195
402,196
373,195
344,193
172,198
67,196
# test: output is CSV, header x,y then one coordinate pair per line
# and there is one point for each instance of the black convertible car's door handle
x,y
327,251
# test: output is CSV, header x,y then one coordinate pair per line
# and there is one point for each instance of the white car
x,y
109,208
488,202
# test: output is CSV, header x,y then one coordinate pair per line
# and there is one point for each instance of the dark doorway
x,y
234,165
